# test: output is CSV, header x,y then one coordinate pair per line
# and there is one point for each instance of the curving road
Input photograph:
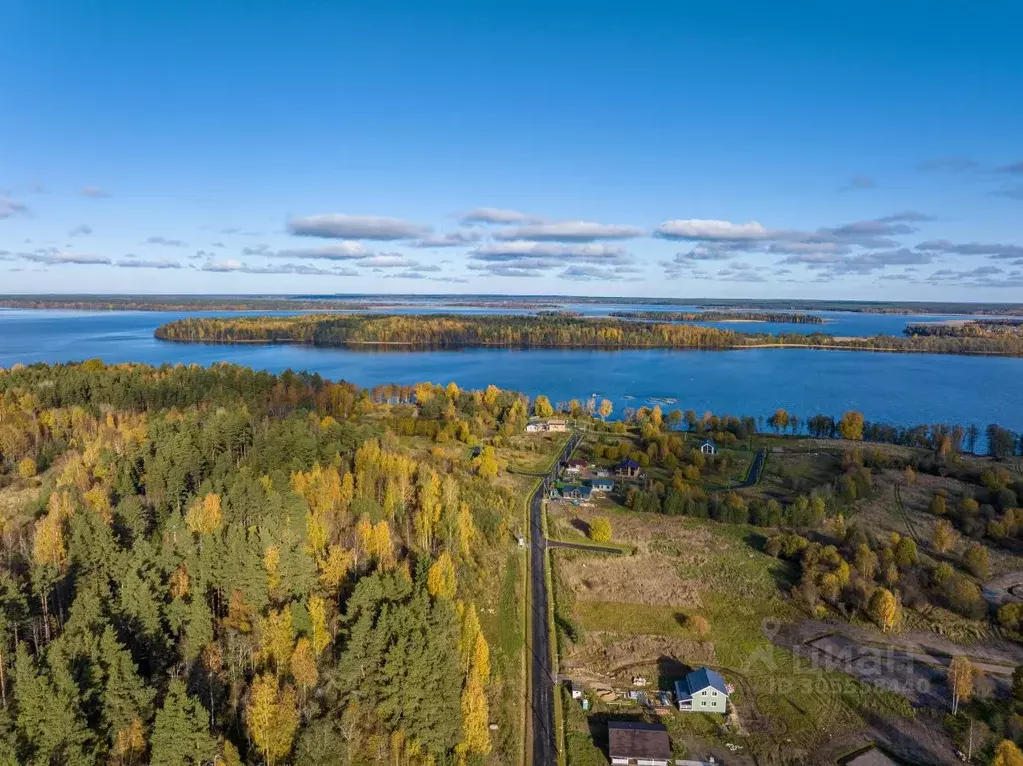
x,y
545,741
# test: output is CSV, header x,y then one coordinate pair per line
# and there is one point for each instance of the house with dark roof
x,y
628,467
632,742
702,691
576,492
602,485
709,447
575,465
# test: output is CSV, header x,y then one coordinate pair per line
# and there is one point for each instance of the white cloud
x,y
505,251
497,215
453,239
137,263
234,266
387,261
94,192
342,226
11,207
569,231
709,229
165,242
57,259
341,251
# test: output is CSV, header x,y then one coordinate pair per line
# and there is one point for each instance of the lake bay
x,y
903,389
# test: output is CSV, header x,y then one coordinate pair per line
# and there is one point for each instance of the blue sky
x,y
860,150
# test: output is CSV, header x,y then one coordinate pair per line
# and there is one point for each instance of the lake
x,y
903,389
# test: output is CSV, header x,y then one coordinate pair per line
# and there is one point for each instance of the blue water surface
x,y
903,389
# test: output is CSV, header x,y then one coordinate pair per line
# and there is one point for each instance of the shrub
x,y
600,530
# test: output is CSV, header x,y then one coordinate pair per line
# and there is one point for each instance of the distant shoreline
x,y
411,346
363,302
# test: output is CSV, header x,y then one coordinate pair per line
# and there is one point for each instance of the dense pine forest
x,y
218,565
449,331
779,317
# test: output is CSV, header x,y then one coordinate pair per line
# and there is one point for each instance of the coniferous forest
x,y
220,565
452,331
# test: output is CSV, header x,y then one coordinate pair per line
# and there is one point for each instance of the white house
x,y
546,426
702,691
709,448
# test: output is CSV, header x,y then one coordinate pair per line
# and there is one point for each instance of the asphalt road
x,y
545,743
753,474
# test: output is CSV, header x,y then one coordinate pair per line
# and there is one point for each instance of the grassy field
x,y
686,567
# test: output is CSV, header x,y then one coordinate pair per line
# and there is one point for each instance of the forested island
x,y
779,317
451,331
977,328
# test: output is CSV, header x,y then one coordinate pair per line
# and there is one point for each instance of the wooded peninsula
x,y
451,331
778,317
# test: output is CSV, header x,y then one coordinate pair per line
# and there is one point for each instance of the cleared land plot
x,y
736,588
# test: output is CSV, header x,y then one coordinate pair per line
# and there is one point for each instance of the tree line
x,y
776,317
450,331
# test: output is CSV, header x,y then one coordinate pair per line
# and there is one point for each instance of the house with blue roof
x,y
702,691
602,485
628,467
576,492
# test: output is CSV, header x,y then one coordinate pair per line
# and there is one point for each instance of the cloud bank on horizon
x,y
544,167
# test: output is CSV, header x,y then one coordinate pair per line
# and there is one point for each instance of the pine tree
x,y
49,715
180,733
126,697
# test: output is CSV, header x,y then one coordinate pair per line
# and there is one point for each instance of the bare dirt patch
x,y
614,659
640,579
650,576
